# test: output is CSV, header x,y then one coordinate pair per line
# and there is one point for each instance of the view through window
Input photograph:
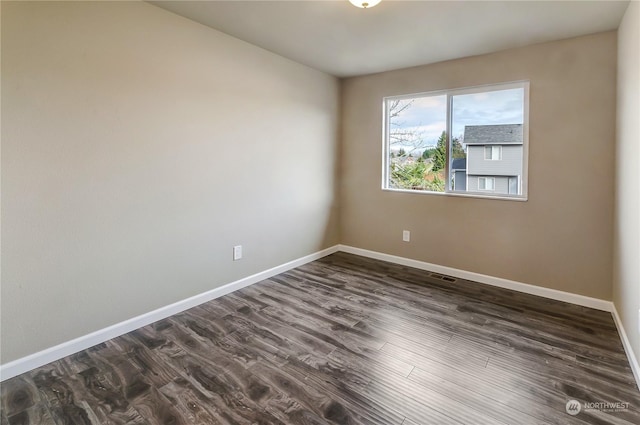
x,y
469,141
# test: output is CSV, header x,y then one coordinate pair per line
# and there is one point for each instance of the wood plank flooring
x,y
344,340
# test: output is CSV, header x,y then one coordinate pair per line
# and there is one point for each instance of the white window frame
x,y
485,180
493,149
524,85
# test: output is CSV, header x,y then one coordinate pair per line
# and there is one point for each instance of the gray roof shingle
x,y
502,134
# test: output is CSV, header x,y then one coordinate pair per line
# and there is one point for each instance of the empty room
x,y
320,212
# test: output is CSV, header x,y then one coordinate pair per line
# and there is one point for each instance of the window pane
x,y
488,128
486,183
460,140
496,153
417,143
513,185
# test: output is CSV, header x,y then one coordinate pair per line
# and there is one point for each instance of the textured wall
x,y
137,148
561,237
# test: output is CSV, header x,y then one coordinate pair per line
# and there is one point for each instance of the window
x,y
493,153
513,185
486,183
471,141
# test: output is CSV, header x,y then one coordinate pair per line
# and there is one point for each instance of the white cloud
x,y
427,115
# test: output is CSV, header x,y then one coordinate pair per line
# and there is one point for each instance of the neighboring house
x,y
494,158
459,173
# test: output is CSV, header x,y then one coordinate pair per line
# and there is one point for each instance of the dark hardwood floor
x,y
344,340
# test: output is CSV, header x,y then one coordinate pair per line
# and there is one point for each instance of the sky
x,y
427,115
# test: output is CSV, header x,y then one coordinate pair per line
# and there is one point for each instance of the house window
x,y
493,153
486,183
467,141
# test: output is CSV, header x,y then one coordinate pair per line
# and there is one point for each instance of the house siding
x,y
509,165
460,180
502,184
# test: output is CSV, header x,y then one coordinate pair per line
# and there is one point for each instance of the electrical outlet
x,y
406,235
237,252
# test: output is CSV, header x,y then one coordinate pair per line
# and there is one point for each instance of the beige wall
x,y
561,237
137,148
626,266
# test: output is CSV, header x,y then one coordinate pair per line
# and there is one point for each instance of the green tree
x,y
428,153
457,151
440,153
417,176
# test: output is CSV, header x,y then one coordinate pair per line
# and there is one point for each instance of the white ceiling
x,y
338,38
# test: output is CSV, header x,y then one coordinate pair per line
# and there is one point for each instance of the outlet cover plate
x,y
237,252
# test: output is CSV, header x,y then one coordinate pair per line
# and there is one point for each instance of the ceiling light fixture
x,y
364,4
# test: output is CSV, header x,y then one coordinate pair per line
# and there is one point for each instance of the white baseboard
x,y
540,291
57,352
633,360
554,294
32,361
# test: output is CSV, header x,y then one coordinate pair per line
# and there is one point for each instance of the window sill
x,y
518,198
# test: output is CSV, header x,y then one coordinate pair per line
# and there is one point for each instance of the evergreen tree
x,y
457,150
440,153
428,153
